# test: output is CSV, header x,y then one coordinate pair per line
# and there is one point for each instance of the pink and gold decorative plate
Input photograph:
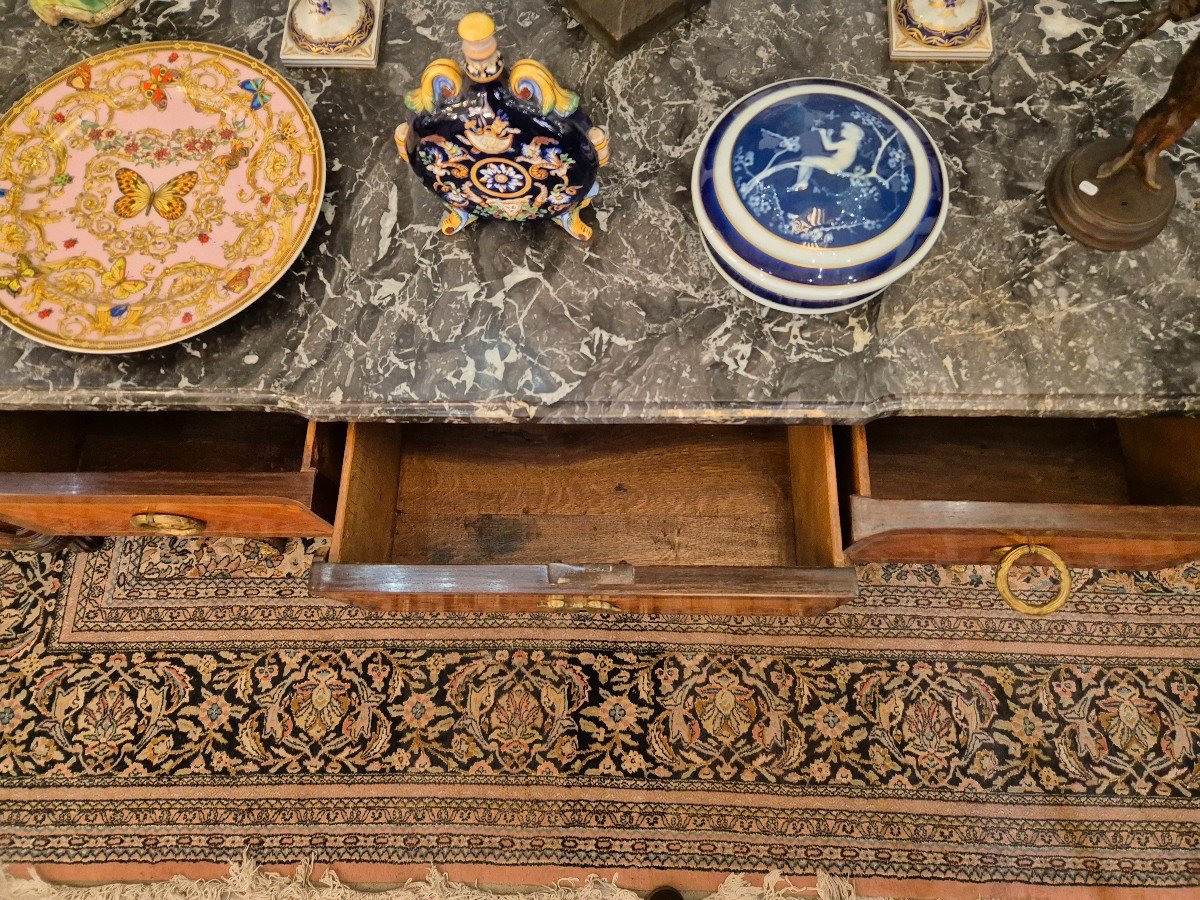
x,y
150,193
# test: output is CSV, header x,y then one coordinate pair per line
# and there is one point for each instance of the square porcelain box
x,y
946,30
332,33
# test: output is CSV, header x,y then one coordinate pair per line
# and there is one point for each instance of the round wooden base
x,y
1116,213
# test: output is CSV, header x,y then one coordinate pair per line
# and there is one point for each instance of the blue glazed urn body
x,y
501,145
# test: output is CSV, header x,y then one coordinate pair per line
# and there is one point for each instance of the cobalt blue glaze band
x,y
778,301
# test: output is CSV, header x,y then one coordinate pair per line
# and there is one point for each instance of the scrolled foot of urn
x,y
455,221
572,222
401,138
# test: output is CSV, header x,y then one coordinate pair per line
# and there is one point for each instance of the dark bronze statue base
x,y
1116,213
623,25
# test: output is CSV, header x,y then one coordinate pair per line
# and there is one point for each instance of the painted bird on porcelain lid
x,y
813,195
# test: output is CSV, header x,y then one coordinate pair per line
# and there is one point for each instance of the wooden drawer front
x,y
1118,537
1099,493
104,505
180,473
605,519
559,588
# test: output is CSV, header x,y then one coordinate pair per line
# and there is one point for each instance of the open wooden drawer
x,y
174,473
675,519
1098,493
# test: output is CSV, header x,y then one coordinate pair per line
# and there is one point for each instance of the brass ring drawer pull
x,y
1019,552
167,524
562,604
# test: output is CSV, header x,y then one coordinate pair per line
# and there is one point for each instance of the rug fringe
x,y
246,881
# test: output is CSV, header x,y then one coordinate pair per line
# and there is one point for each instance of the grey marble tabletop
x,y
383,317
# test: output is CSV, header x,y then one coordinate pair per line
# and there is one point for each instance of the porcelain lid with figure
x,y
813,194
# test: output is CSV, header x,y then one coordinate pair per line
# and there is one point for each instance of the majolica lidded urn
x,y
501,145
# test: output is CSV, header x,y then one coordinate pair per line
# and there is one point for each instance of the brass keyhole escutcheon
x,y
167,524
1019,552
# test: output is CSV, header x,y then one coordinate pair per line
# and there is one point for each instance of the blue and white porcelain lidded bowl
x,y
814,195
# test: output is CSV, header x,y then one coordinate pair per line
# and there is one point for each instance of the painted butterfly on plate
x,y
81,78
153,89
13,283
138,197
114,279
240,281
258,96
231,160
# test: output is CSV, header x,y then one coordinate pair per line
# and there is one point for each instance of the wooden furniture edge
x,y
369,487
816,516
871,516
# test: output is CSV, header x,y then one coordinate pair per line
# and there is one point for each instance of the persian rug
x,y
169,707
247,882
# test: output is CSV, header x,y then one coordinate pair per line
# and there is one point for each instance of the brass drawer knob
x,y
1020,552
167,524
572,604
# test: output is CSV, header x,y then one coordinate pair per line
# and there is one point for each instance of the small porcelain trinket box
x,y
813,195
945,30
499,145
332,33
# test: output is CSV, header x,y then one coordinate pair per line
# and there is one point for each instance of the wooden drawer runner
x,y
678,519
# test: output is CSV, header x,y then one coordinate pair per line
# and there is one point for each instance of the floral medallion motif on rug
x,y
190,702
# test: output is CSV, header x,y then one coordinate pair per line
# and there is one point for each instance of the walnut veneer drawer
x,y
218,474
675,519
1100,493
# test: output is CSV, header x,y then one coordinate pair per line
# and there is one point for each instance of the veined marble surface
x,y
382,317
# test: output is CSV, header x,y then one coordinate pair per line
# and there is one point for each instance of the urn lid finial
x,y
476,26
478,33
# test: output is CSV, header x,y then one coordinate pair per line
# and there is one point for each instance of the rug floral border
x,y
1001,752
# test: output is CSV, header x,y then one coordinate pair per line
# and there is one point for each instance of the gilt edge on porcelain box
x,y
940,31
